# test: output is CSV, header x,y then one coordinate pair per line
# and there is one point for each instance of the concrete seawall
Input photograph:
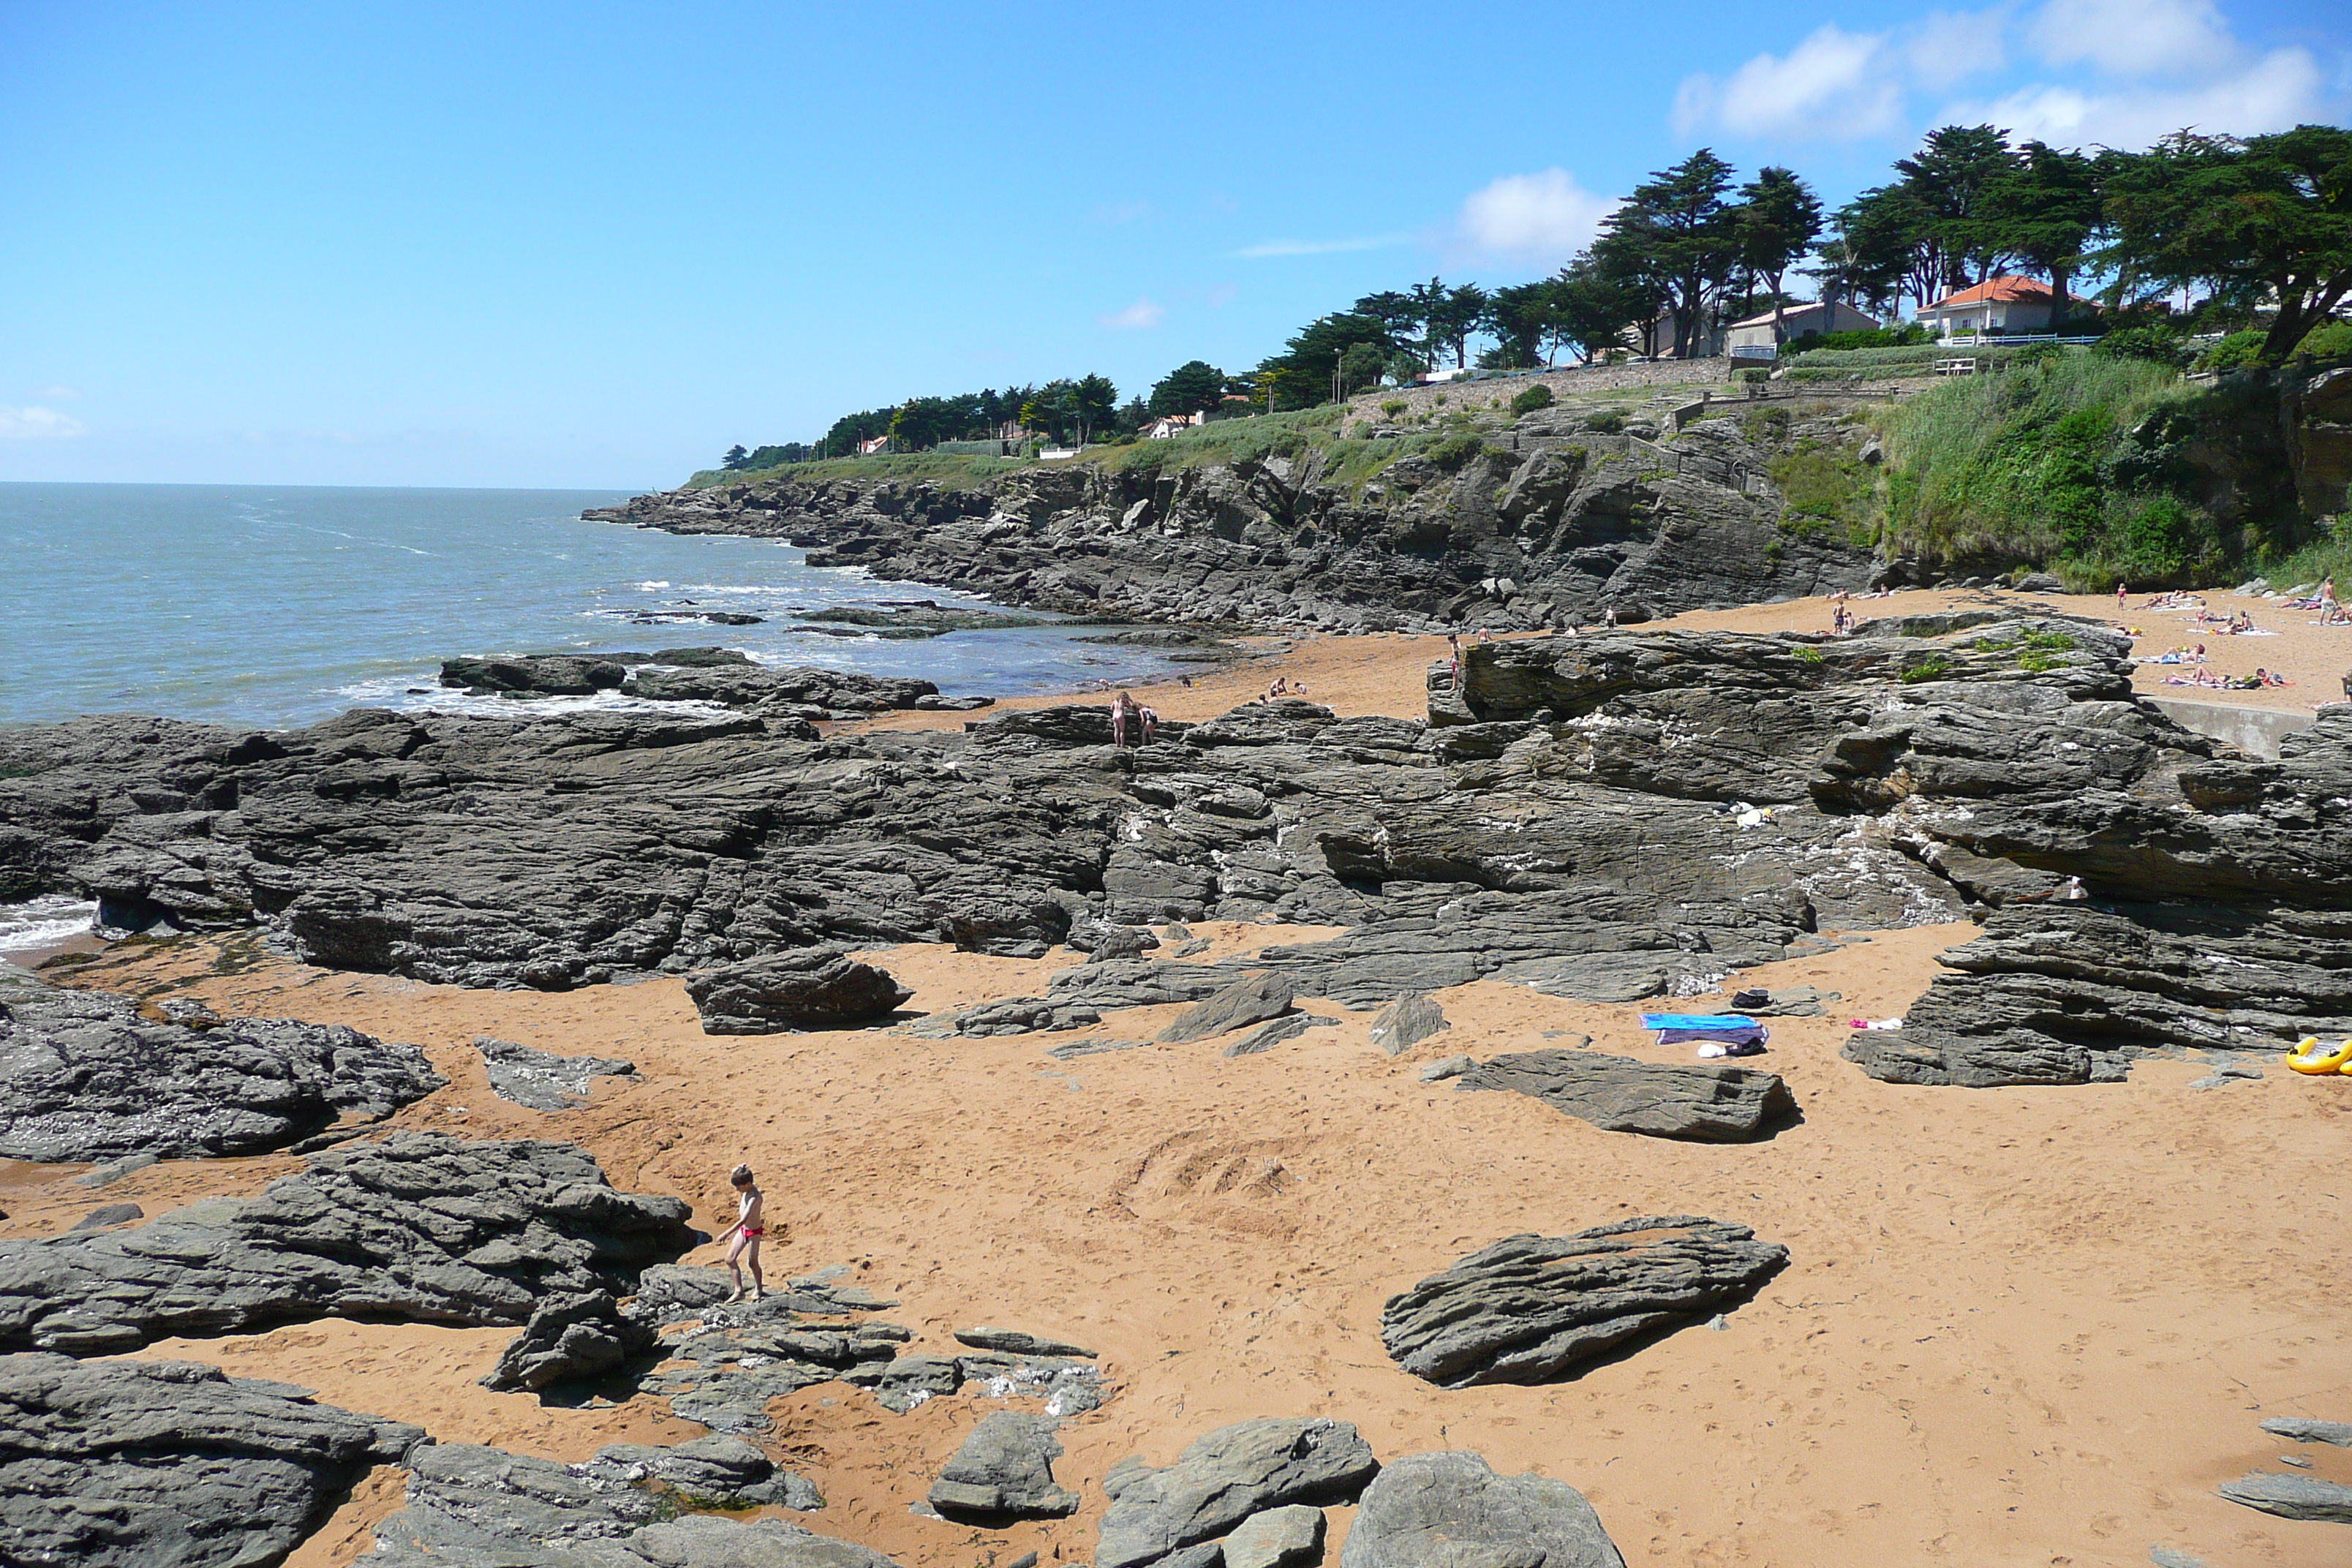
x,y
2256,730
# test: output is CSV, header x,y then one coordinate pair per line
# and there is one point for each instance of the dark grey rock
x,y
2291,1497
1530,1308
813,988
1223,1479
720,1470
1286,1537
1449,1067
1238,1006
1077,1048
1014,1341
110,1214
1066,1387
1004,1470
901,1385
1451,1510
571,1340
1135,983
470,1507
420,1226
1705,1103
1114,943
541,1080
106,1175
2296,1428
128,1463
1405,1023
87,1075
1272,1033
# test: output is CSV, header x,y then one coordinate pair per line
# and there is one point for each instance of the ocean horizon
x,y
279,605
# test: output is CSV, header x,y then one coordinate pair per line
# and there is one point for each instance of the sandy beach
x,y
2027,1326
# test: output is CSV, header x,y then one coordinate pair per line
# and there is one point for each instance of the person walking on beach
x,y
751,1224
2119,596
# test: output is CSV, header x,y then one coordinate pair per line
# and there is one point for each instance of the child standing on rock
x,y
751,1224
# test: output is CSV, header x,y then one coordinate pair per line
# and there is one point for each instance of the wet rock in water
x,y
720,1470
571,1340
129,1464
2298,1429
536,675
472,1507
87,1075
1286,1537
1223,1479
1004,1471
541,1080
813,988
1531,1309
110,1214
1405,1023
1451,1507
421,1227
1706,1104
1014,1342
2291,1497
1238,1006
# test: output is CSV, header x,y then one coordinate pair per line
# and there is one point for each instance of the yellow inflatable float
x,y
2308,1057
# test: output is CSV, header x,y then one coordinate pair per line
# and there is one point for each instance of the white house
x,y
1998,304
1754,338
878,444
1161,428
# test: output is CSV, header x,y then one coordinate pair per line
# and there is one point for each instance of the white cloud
x,y
1546,215
1318,247
2281,90
1835,85
1948,46
33,423
1142,313
2136,37
57,394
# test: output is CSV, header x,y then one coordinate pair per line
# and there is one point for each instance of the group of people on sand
x,y
1283,687
2214,680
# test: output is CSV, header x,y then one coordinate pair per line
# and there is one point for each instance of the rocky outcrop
x,y
1223,1480
420,1226
1004,1471
1405,1023
811,988
2302,1429
1253,1000
472,1507
1530,1308
89,1074
721,677
715,1471
2291,1497
1540,522
129,1464
542,1080
1620,1094
1451,1507
571,1338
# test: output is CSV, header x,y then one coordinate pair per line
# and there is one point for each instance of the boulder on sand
x,y
1620,1094
570,1340
1004,1470
1223,1479
1453,1509
1243,1002
130,1464
811,988
1406,1022
1529,1308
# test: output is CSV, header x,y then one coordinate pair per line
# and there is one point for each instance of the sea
x,y
279,605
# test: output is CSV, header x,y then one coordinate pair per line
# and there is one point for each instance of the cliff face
x,y
1546,524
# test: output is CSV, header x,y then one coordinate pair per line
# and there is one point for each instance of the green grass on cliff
x,y
2050,463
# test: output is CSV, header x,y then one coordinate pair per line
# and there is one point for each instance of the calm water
x,y
281,606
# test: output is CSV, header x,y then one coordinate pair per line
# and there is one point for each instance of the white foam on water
x,y
649,587
44,921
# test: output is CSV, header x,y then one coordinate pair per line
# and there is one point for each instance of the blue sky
x,y
593,244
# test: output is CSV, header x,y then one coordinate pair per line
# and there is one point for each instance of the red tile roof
x,y
2002,289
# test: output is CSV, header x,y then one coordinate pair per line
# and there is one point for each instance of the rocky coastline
x,y
1606,816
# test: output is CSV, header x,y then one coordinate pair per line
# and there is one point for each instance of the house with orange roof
x,y
1998,305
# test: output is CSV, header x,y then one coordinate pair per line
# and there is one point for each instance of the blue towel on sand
x,y
1696,1021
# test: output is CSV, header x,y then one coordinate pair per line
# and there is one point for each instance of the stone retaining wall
x,y
1563,384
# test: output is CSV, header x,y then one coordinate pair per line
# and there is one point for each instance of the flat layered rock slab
x,y
542,1080
813,988
421,1227
2291,1497
1453,1509
90,1075
1004,1471
1222,1479
136,1464
1532,1308
1706,1104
